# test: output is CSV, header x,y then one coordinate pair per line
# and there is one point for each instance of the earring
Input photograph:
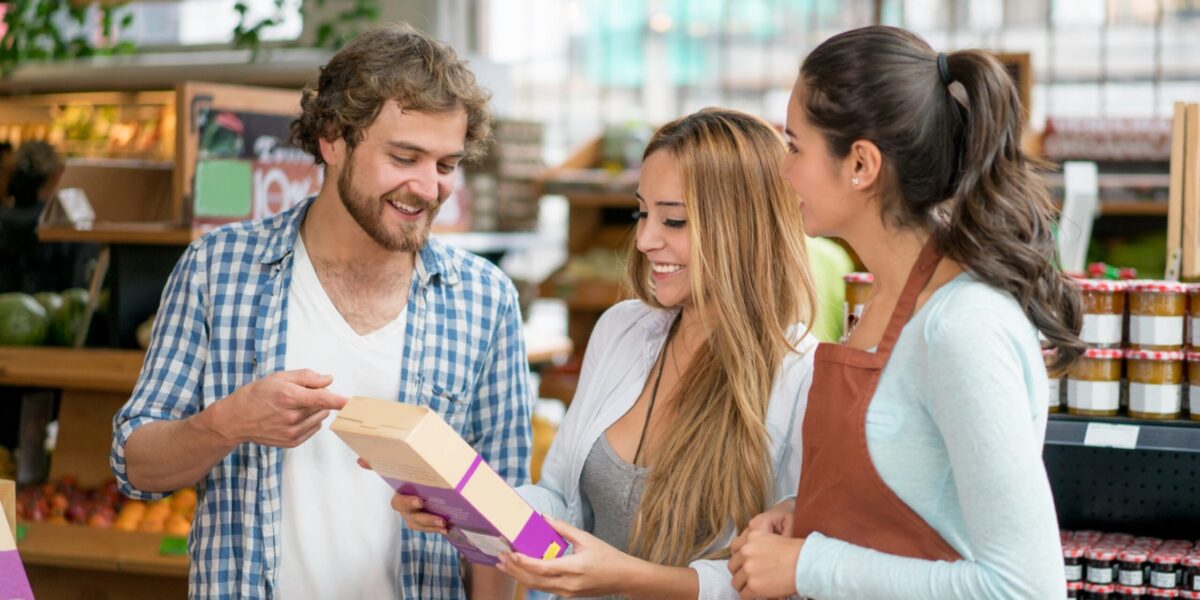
x,y
854,181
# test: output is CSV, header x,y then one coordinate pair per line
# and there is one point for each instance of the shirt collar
x,y
434,259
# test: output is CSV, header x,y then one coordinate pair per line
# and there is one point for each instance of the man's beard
x,y
368,213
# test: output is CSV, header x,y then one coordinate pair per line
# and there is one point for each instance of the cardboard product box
x,y
419,454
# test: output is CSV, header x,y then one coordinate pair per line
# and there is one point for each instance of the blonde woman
x,y
685,422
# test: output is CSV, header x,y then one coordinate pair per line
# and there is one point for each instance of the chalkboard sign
x,y
234,158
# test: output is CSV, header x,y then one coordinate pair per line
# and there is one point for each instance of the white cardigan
x,y
623,347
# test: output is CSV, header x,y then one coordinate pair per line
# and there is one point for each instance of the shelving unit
x,y
599,223
1120,474
1124,433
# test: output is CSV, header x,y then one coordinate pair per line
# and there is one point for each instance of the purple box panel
x,y
448,504
14,585
536,538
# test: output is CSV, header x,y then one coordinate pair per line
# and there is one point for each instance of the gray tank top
x,y
613,488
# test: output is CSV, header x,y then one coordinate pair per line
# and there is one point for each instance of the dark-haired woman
x,y
921,474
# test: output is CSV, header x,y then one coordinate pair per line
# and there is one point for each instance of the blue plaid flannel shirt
x,y
222,324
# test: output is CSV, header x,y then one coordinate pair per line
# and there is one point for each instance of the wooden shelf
x,y
1134,209
107,370
592,296
90,548
115,370
601,199
1119,180
160,234
1130,209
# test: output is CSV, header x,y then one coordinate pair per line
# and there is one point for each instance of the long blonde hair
x,y
750,284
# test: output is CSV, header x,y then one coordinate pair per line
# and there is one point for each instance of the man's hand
x,y
282,409
410,507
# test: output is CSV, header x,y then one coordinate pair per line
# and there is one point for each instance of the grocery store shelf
x,y
1119,180
161,234
543,347
113,370
595,295
79,547
122,163
1148,208
600,199
1133,209
1123,432
106,370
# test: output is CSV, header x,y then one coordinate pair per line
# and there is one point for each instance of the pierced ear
x,y
867,162
333,151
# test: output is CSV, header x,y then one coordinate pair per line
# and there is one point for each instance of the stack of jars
x,y
1119,566
1136,329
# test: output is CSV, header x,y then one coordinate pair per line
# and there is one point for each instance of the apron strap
x,y
920,275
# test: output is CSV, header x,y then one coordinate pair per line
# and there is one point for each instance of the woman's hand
x,y
409,508
777,520
593,569
763,564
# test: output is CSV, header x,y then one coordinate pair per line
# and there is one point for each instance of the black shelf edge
x,y
1124,433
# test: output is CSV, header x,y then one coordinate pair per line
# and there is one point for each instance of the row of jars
x,y
1160,314
1156,383
1119,566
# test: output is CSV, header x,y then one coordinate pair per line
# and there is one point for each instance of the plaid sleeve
x,y
500,417
169,386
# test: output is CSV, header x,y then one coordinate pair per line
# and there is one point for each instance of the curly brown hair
x,y
395,62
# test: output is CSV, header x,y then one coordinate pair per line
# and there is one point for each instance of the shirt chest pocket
x,y
444,399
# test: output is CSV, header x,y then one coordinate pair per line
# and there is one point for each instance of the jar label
x,y
1099,576
1093,395
1196,332
1074,572
1156,331
1055,397
1134,578
1155,399
1162,580
1103,330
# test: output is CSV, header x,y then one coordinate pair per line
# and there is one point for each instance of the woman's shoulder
x,y
630,320
967,308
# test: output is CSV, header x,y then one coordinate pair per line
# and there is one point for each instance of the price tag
x,y
1106,435
173,546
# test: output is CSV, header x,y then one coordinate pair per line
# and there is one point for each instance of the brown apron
x,y
841,494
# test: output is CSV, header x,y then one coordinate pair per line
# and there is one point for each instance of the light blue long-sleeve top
x,y
956,429
621,352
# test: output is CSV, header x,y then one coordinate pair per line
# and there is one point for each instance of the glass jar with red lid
x,y
1165,569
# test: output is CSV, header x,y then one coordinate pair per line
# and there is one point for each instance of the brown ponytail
x,y
953,159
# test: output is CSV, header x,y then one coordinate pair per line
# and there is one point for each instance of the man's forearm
x,y
164,456
487,583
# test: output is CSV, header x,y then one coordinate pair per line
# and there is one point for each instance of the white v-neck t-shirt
x,y
339,536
